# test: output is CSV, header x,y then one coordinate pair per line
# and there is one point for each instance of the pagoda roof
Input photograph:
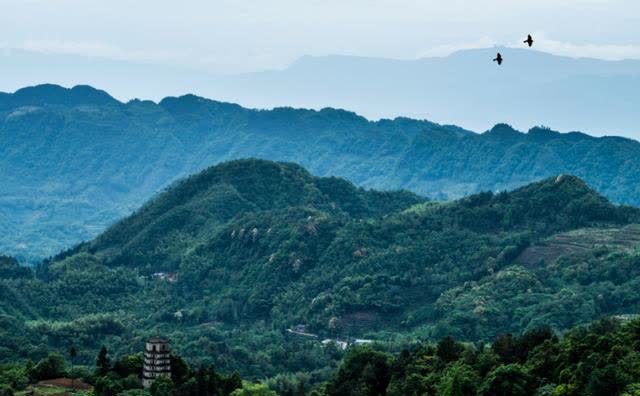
x,y
158,340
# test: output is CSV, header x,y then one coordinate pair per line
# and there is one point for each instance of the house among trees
x,y
165,276
340,344
157,361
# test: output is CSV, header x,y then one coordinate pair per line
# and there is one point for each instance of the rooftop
x,y
158,340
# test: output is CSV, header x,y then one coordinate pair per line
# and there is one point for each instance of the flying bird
x,y
529,40
498,59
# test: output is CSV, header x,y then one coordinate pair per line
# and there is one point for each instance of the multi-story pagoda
x,y
156,360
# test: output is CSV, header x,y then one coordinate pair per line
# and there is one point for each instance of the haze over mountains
x,y
465,88
73,161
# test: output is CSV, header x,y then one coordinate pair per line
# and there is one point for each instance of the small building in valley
x,y
165,276
157,360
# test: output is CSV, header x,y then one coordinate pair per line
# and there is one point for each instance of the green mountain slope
x,y
73,161
258,247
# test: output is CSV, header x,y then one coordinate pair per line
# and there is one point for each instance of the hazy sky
x,y
247,35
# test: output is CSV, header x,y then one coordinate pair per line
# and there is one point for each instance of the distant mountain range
x,y
73,161
465,88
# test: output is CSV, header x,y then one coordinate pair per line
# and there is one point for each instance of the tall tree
x,y
72,355
103,363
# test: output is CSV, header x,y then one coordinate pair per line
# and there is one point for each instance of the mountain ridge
x,y
464,87
79,95
73,166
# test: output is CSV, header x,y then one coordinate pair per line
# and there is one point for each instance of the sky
x,y
232,36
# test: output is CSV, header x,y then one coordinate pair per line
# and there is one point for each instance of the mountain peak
x,y
238,188
503,131
560,191
190,103
572,180
542,133
51,94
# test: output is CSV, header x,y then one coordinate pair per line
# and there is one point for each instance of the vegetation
x,y
225,261
51,375
602,359
74,161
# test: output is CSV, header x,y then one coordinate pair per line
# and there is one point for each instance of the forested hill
x,y
200,209
73,161
225,261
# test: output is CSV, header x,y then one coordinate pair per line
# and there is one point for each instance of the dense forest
x,y
73,161
250,265
602,359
